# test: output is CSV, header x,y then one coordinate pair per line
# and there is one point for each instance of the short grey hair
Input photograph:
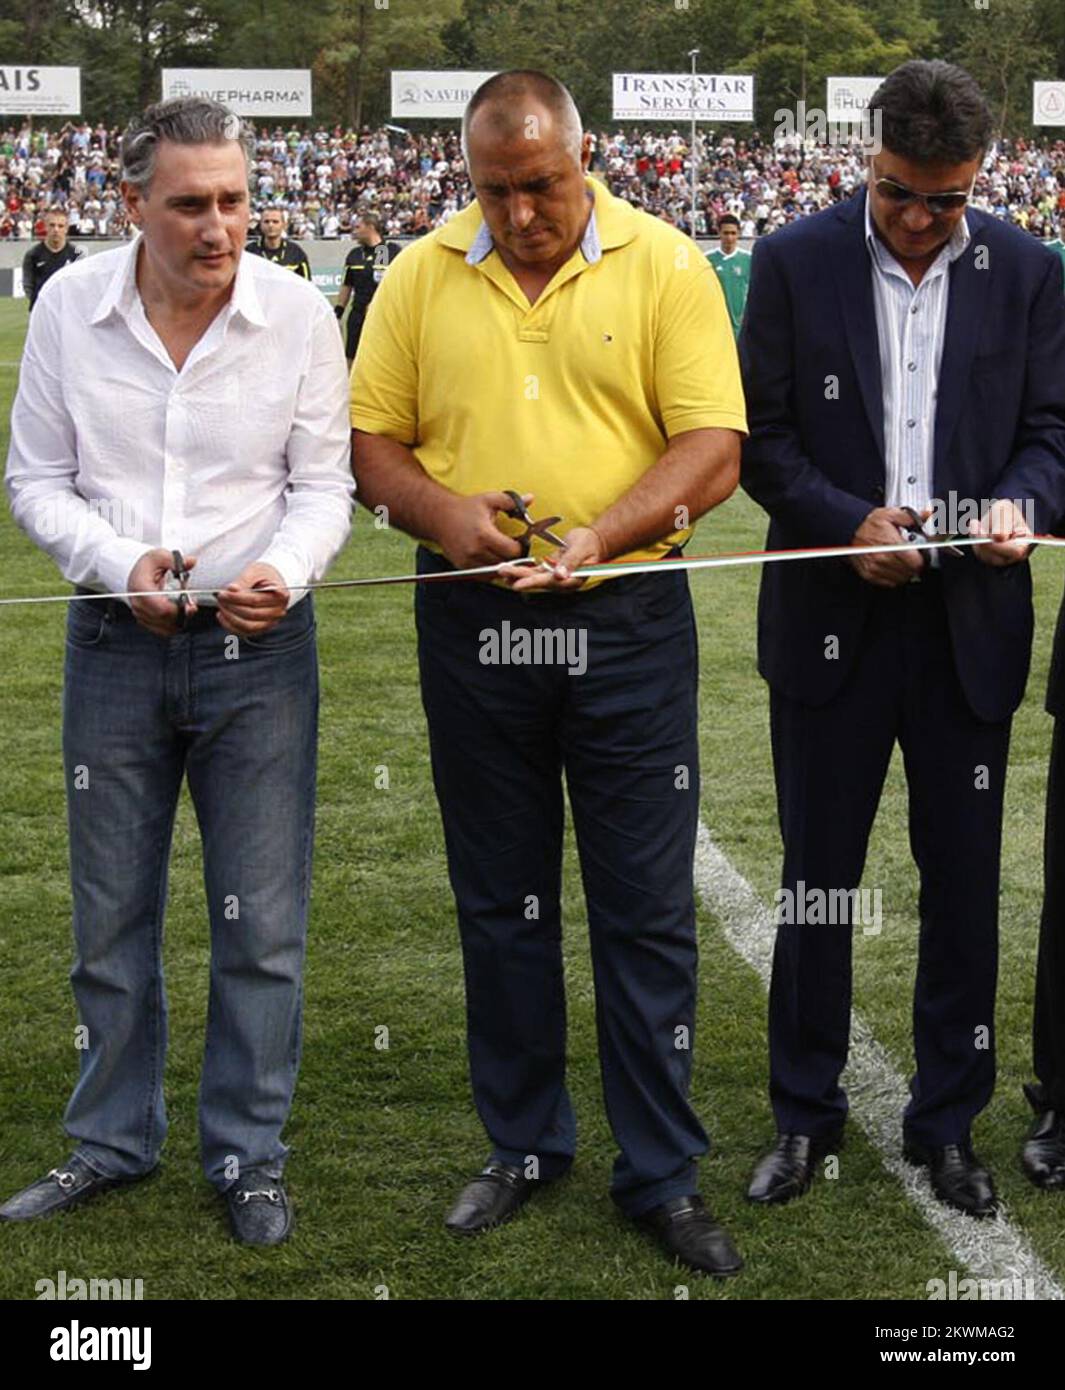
x,y
502,92
185,121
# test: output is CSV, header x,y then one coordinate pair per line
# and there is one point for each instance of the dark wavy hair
x,y
932,112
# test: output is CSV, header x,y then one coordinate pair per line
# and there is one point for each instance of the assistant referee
x,y
364,269
53,253
273,245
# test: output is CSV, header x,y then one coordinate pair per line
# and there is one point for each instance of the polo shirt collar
x,y
483,245
612,223
121,291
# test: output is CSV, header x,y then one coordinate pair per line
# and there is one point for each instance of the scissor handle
x,y
519,503
180,572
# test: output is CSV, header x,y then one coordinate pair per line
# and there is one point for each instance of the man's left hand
x,y
1005,522
583,547
247,607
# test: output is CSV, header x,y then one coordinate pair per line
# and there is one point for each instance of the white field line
x,y
992,1248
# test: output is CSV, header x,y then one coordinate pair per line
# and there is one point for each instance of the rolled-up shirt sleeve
x,y
42,470
321,489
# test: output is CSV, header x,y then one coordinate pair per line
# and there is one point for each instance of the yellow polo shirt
x,y
572,398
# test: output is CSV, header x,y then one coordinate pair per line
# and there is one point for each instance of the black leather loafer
x,y
60,1190
787,1170
958,1177
259,1209
1043,1155
494,1196
687,1231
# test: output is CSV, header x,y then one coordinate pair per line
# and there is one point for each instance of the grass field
x,y
382,1139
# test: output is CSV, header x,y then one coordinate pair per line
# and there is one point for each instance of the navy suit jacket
x,y
816,463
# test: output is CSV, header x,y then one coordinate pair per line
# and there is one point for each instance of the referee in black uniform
x,y
47,256
364,269
273,245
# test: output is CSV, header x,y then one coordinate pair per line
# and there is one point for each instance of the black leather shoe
x,y
494,1196
1043,1155
787,1170
61,1189
687,1231
957,1175
259,1209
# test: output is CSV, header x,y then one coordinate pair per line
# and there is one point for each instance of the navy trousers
x,y
623,731
830,764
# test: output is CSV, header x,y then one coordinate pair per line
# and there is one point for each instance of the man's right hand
x,y
884,526
158,615
467,531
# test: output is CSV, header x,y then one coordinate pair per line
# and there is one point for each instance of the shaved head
x,y
513,104
527,158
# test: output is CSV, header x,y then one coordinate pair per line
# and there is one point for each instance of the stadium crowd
x,y
415,182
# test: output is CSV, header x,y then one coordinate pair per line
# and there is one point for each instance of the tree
x,y
125,44
796,44
1004,50
365,39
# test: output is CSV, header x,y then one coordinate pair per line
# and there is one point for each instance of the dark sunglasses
x,y
902,196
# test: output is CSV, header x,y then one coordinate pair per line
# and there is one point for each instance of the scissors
x,y
532,528
920,535
177,586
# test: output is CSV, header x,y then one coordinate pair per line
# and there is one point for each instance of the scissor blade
x,y
541,530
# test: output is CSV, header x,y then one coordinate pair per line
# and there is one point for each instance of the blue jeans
x,y
240,720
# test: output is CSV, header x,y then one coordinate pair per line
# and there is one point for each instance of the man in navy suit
x,y
900,351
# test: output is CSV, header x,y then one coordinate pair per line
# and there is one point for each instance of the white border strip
x,y
992,1248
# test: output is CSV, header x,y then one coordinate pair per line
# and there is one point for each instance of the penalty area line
x,y
992,1248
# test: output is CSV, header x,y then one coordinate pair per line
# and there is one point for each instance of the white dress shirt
x,y
911,324
242,456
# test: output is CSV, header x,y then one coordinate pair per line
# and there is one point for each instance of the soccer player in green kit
x,y
733,266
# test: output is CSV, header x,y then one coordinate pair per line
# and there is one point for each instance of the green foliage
x,y
794,45
351,45
1004,49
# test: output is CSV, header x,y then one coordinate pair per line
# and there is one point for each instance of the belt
x,y
118,612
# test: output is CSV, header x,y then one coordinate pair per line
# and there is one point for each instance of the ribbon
x,y
613,567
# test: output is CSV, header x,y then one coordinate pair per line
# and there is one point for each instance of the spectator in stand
x,y
415,182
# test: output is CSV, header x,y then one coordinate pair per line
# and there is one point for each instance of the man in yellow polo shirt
x,y
553,340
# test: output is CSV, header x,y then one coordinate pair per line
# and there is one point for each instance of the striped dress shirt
x,y
911,323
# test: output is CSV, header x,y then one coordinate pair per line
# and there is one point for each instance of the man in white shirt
x,y
177,396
